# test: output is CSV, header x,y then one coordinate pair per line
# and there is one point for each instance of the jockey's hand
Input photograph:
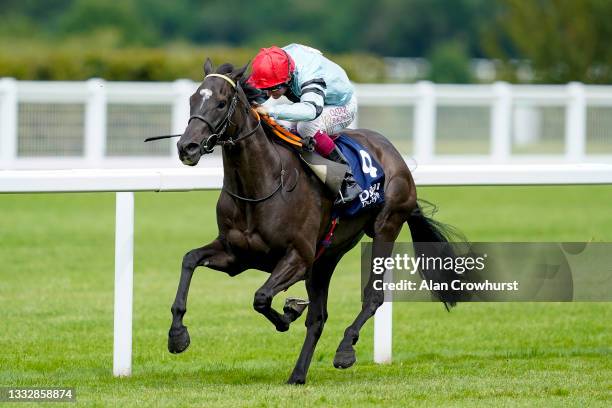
x,y
308,144
261,110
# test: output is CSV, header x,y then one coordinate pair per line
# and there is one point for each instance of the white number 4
x,y
366,164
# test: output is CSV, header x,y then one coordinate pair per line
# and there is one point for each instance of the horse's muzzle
x,y
189,153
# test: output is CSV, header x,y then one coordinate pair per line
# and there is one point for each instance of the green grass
x,y
56,298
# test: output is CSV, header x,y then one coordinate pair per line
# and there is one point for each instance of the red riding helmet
x,y
271,66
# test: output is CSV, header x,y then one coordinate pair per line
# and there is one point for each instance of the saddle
x,y
366,170
329,172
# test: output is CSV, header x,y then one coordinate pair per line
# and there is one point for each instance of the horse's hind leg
x,y
382,246
290,269
212,255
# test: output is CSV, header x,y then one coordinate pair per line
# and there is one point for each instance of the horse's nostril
x,y
192,148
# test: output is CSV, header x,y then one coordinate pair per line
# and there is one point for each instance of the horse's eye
x,y
221,105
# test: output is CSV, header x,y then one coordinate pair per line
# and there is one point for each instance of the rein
x,y
281,184
220,129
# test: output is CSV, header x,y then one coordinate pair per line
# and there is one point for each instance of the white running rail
x,y
126,182
101,124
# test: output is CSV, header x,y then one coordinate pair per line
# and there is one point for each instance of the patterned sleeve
x,y
308,108
313,92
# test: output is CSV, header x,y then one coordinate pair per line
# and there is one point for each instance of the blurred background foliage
x,y
555,41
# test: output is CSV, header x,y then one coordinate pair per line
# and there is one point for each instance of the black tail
x,y
431,239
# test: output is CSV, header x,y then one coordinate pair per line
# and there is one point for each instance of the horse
x,y
272,212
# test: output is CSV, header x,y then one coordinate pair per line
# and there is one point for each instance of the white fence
x,y
95,123
125,182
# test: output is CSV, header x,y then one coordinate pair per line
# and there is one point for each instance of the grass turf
x,y
56,298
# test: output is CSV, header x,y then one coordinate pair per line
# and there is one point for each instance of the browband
x,y
228,79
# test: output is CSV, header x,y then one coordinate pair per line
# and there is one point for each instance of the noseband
x,y
219,130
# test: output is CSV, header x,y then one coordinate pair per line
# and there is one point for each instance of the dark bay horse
x,y
272,212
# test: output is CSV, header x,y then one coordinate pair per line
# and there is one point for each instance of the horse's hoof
x,y
178,340
294,307
296,380
282,327
344,358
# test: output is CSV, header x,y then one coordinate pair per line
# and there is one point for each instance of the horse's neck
x,y
252,167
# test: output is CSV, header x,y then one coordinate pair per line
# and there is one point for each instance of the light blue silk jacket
x,y
316,82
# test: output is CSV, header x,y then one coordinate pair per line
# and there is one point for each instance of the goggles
x,y
274,88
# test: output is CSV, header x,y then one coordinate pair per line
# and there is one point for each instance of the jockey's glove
x,y
262,110
308,144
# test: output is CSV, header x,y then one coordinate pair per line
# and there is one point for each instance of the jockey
x,y
324,101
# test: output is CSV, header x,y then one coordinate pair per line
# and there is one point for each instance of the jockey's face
x,y
276,93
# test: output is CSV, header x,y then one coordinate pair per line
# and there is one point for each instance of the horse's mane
x,y
226,68
253,94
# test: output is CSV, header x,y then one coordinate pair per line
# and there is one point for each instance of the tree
x,y
123,17
413,28
450,64
564,40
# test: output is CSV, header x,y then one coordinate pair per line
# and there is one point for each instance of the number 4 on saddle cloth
x,y
368,174
366,170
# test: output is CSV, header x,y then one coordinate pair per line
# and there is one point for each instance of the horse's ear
x,y
208,67
238,73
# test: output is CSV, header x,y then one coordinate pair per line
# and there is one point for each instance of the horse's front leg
x,y
289,270
213,256
317,285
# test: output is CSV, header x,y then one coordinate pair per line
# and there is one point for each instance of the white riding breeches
x,y
332,120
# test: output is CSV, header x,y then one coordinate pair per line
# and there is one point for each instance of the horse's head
x,y
212,112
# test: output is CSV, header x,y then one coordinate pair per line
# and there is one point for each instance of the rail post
x,y
124,284
501,114
425,122
8,122
575,123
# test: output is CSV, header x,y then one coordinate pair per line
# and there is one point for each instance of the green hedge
x,y
39,62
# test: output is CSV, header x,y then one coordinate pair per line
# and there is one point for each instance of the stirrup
x,y
340,199
351,192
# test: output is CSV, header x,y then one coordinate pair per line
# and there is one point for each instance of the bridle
x,y
220,128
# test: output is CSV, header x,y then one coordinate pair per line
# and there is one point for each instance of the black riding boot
x,y
349,189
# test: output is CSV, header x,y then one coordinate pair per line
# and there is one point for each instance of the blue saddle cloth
x,y
368,174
